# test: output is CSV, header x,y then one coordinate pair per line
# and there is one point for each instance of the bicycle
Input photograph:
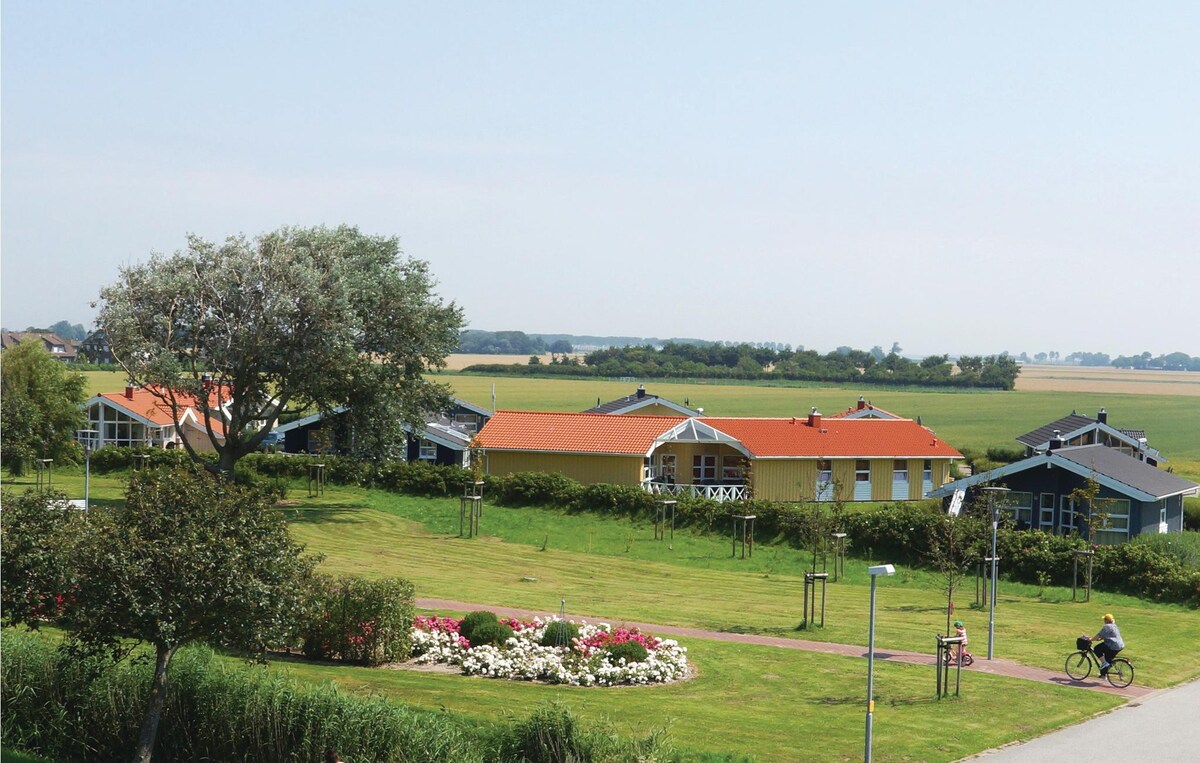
x,y
951,657
1079,665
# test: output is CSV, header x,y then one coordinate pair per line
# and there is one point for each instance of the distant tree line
x,y
508,343
74,332
1175,361
745,361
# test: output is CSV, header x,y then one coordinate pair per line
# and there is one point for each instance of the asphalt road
x,y
1163,727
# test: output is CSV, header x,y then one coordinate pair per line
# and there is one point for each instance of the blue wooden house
x,y
1137,496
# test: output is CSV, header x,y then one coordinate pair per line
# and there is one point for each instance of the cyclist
x,y
1112,643
960,631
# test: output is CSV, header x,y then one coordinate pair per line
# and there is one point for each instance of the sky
x,y
954,177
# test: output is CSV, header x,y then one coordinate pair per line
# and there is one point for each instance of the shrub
x,y
67,708
630,651
550,735
560,633
1191,514
534,489
474,620
1182,547
495,634
360,620
628,500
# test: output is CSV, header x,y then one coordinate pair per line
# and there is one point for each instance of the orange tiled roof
x,y
573,432
764,438
144,403
835,438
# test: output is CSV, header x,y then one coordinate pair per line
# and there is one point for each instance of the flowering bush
x,y
587,662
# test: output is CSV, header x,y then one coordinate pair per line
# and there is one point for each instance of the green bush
x,y
70,709
1191,514
534,489
627,500
630,651
1183,547
359,620
560,633
495,634
473,620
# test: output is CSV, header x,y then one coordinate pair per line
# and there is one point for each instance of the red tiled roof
x,y
146,404
835,438
573,432
764,438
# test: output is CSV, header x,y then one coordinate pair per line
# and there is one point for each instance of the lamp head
x,y
881,569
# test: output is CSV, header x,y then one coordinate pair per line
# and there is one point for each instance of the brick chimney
x,y
862,402
128,391
814,418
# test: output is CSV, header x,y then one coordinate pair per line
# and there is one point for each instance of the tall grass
x,y
1183,547
70,709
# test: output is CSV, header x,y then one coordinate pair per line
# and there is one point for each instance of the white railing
x,y
712,492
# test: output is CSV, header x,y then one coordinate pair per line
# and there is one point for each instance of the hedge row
x,y
900,532
71,709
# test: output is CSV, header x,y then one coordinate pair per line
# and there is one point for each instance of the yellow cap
x,y
1108,618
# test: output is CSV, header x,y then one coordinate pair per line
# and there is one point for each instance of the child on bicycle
x,y
1110,635
960,631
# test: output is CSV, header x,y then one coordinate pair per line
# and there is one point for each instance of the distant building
x,y
65,350
96,349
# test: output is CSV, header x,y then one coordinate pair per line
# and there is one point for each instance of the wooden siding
x,y
785,479
586,468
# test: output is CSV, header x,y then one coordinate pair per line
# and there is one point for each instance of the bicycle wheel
x,y
1120,673
968,660
1079,665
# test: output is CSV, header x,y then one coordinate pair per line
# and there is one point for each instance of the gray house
x,y
1076,429
1138,497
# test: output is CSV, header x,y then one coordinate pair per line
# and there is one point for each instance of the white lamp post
x,y
991,493
874,572
86,436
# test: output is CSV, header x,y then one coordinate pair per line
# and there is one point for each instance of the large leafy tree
x,y
303,317
39,407
187,558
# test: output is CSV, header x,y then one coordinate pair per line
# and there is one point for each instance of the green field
x,y
774,704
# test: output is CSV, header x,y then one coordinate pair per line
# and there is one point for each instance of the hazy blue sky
x,y
956,177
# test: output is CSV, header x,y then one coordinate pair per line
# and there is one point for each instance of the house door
x,y
666,467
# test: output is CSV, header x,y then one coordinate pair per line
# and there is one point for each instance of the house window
x,y
427,451
824,490
732,468
1115,527
1046,511
927,471
900,471
704,469
862,471
1021,507
862,480
468,422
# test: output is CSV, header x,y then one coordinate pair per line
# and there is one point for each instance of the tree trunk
x,y
154,708
229,457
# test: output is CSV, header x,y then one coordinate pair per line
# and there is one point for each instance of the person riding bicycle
x,y
960,631
1112,643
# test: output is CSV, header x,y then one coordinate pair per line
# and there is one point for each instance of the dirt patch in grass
x,y
1034,378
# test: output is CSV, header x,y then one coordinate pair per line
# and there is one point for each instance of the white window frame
x,y
666,466
824,486
1046,522
862,487
704,467
733,467
1021,505
899,474
927,471
468,422
426,450
1108,534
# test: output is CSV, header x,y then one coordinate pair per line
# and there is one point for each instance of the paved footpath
x,y
998,667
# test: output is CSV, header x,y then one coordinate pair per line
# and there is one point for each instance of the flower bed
x,y
587,661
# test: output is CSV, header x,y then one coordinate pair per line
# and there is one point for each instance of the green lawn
x,y
773,704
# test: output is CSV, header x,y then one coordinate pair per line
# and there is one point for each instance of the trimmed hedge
x,y
359,620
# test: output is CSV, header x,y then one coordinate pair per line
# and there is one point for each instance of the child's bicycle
x,y
951,657
1079,665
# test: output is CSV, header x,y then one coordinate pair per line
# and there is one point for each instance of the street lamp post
x,y
995,512
874,572
86,435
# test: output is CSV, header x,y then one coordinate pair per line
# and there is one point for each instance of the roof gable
x,y
637,401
